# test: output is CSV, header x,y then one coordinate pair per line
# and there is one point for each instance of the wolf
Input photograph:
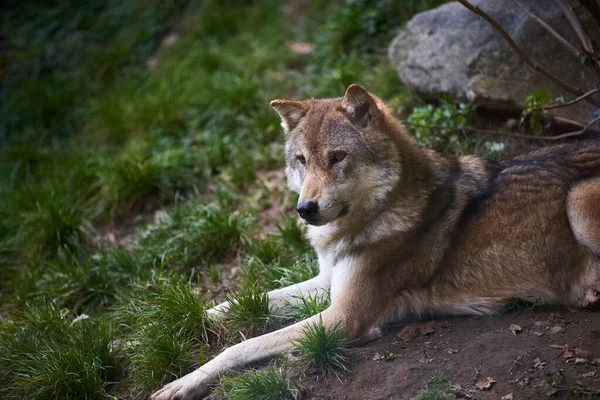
x,y
401,230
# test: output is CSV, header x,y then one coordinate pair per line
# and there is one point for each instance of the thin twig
x,y
536,67
567,121
584,38
579,132
570,103
508,134
557,35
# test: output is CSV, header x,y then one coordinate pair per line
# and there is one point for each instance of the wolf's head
x,y
342,154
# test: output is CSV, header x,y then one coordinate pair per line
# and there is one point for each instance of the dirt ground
x,y
552,353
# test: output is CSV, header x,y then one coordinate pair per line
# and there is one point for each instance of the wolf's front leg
x,y
256,349
317,286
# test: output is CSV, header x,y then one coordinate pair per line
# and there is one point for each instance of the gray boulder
x,y
450,50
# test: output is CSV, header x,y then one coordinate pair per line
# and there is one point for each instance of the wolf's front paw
x,y
192,386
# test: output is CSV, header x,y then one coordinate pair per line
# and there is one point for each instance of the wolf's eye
x,y
301,158
337,156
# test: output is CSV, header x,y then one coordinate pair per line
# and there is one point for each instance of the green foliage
x,y
44,355
168,329
307,306
88,283
272,383
323,348
61,53
439,388
45,220
517,304
359,26
442,128
193,236
145,169
248,311
533,115
281,259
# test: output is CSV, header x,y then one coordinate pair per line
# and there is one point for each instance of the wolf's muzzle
x,y
307,209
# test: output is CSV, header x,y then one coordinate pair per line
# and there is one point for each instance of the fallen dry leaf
x,y
428,328
407,333
571,352
482,383
538,334
595,361
507,397
555,329
590,374
514,328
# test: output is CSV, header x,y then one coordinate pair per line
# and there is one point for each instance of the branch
x,y
570,103
509,134
579,132
536,67
585,40
582,57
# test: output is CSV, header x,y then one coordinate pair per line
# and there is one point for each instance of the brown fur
x,y
404,230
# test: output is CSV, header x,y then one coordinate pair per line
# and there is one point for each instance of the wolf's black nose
x,y
307,209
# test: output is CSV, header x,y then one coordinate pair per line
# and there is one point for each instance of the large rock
x,y
450,50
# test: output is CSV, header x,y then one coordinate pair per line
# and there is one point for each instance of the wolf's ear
x,y
358,104
291,112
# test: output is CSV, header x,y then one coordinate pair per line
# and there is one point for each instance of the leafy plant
x,y
533,115
440,127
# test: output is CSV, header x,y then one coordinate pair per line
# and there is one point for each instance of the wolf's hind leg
x,y
583,210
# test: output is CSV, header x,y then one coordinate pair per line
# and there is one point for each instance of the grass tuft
x,y
272,383
307,306
323,348
195,235
248,312
439,388
168,330
43,355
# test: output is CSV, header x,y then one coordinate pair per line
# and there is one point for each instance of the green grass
x,y
166,330
272,383
307,306
439,388
45,354
248,312
193,236
322,347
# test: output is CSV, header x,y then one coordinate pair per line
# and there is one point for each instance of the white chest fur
x,y
340,270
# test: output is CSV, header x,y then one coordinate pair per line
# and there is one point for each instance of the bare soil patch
x,y
531,363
